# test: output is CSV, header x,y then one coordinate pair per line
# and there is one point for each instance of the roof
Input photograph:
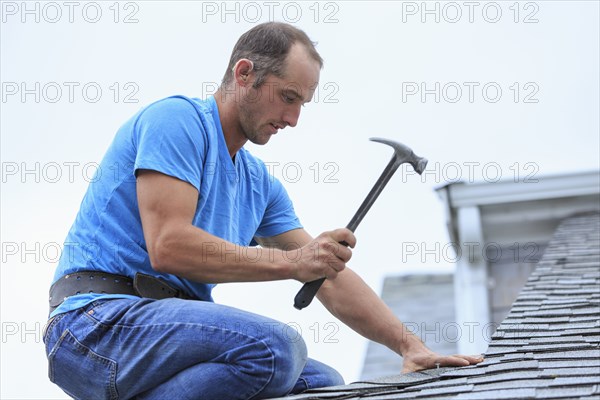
x,y
500,229
430,316
548,347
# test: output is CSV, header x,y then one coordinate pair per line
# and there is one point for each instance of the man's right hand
x,y
322,257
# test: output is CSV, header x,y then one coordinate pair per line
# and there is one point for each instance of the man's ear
x,y
243,71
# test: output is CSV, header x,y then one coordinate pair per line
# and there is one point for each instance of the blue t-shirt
x,y
180,137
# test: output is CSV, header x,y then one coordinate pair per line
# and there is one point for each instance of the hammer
x,y
402,154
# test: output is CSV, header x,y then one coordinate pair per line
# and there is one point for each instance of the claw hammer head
x,y
403,154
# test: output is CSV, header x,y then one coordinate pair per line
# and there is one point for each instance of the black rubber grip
x,y
308,292
306,295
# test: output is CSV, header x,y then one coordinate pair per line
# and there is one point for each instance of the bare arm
x,y
167,206
350,299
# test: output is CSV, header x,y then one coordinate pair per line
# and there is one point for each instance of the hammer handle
x,y
308,291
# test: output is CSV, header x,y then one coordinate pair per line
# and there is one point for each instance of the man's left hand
x,y
424,358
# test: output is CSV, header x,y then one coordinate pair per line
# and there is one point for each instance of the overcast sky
x,y
484,90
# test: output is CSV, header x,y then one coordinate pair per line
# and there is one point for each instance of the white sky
x,y
379,57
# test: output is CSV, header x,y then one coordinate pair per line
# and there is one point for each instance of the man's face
x,y
276,103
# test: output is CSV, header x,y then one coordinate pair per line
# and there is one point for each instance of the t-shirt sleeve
x,y
279,215
169,138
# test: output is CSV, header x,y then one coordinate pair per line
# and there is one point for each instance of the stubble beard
x,y
250,126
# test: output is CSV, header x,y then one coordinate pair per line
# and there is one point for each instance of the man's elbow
x,y
162,255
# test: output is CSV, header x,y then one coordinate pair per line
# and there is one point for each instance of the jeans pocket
x,y
80,372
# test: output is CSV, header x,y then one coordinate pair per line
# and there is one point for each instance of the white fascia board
x,y
546,187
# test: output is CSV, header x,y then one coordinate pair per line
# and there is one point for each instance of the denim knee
x,y
317,375
290,356
333,378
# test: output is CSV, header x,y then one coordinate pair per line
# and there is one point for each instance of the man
x,y
174,211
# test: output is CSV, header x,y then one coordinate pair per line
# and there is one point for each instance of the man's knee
x,y
290,356
333,378
317,375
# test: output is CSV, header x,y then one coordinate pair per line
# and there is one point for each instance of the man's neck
x,y
234,138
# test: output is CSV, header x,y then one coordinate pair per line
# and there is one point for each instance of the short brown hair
x,y
267,46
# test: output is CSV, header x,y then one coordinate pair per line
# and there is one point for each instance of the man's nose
x,y
291,116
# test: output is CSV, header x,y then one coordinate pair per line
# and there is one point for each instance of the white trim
x,y
547,187
471,298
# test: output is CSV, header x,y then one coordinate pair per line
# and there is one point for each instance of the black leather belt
x,y
82,282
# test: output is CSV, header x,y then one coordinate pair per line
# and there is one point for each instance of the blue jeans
x,y
177,349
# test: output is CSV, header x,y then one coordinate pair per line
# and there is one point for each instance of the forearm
x,y
194,254
351,300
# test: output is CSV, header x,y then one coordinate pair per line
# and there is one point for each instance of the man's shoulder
x,y
178,104
179,111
